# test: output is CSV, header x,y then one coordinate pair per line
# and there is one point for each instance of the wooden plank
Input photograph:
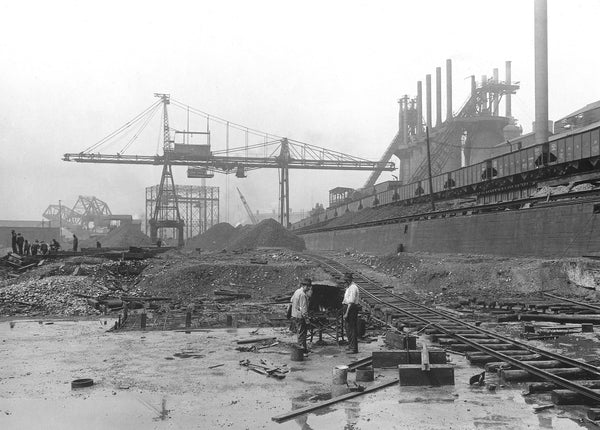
x,y
306,409
254,340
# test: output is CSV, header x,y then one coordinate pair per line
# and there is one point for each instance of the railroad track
x,y
515,360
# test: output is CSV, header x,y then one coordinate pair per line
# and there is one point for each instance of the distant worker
x,y
98,244
350,305
158,242
300,312
20,242
54,245
75,243
13,241
26,247
34,247
43,248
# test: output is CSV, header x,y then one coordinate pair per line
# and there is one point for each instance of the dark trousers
x,y
352,327
302,330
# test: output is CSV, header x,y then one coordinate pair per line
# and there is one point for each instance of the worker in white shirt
x,y
300,312
350,309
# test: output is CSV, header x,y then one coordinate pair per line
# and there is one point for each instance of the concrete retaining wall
x,y
570,230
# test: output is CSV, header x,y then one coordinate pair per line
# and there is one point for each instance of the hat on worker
x,y
306,281
348,276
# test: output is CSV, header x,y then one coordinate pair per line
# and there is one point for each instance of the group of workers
x,y
350,308
22,246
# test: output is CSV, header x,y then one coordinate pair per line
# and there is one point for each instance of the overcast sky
x,y
326,73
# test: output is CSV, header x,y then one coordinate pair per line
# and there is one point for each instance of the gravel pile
x,y
267,233
213,239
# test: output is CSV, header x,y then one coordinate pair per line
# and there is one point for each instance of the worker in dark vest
x,y
13,241
20,243
75,243
34,247
350,309
43,248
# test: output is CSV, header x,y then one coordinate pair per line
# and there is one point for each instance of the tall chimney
x,y
419,108
473,85
541,71
507,100
448,89
428,100
438,96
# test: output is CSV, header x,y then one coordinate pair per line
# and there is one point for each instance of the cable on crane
x,y
142,127
122,128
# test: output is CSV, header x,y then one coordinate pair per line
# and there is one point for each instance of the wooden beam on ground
x,y
301,411
257,339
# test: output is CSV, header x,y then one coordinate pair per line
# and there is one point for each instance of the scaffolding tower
x,y
198,208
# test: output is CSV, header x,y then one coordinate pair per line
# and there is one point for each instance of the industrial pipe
x,y
448,90
419,108
438,96
541,70
405,119
508,101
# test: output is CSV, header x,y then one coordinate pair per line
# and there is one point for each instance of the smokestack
x,y
419,108
428,100
508,101
438,96
473,85
448,89
541,71
496,99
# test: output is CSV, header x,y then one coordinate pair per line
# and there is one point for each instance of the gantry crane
x,y
283,154
245,203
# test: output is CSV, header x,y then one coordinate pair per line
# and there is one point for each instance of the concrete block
x,y
399,340
391,359
437,375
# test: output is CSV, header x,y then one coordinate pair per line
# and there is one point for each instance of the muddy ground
x,y
163,379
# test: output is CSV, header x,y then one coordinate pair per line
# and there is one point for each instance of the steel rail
x,y
587,392
583,305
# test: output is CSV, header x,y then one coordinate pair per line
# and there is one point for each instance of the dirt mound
x,y
123,236
267,233
213,239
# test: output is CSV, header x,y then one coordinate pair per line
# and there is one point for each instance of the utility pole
x,y
429,169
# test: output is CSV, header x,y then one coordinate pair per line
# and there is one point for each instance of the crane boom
x,y
245,203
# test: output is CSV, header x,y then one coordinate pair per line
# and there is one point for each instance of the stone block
x,y
437,375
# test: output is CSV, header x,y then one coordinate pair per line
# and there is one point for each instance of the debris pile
x,y
267,233
213,239
65,288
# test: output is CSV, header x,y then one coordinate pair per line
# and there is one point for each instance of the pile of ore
x,y
267,233
214,239
123,236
